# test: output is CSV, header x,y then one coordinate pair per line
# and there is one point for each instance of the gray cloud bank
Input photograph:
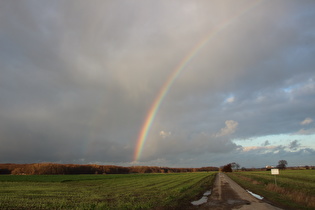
x,y
77,79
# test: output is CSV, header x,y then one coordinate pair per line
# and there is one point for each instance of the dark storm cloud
x,y
294,145
51,103
77,79
266,143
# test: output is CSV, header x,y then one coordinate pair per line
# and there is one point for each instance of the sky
x,y
216,82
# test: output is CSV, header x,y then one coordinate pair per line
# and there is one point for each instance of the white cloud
x,y
306,121
230,99
306,131
164,134
230,127
260,148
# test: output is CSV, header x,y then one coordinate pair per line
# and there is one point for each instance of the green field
x,y
295,188
124,191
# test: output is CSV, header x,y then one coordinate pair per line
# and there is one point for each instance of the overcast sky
x,y
77,80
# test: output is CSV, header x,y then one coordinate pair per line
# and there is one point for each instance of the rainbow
x,y
174,75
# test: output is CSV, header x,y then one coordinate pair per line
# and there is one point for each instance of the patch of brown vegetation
x,y
296,196
247,179
256,182
55,168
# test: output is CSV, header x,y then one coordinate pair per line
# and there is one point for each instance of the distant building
x,y
268,168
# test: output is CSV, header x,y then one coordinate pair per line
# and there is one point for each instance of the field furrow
x,y
129,191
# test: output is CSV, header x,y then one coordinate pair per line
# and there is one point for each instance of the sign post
x,y
275,171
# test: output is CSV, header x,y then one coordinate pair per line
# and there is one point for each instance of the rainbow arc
x,y
175,74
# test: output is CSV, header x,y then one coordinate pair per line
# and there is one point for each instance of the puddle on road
x,y
202,200
237,202
255,195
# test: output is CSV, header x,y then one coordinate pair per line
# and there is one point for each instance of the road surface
x,y
227,194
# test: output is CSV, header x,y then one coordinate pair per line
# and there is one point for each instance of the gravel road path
x,y
227,194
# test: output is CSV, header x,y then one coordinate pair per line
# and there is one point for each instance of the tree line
x,y
55,168
282,164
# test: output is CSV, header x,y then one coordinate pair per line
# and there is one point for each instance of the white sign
x,y
274,171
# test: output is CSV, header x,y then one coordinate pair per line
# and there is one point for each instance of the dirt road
x,y
226,194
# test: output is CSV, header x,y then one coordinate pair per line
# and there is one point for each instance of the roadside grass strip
x,y
128,191
293,188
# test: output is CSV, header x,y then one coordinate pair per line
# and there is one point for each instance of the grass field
x,y
295,188
125,191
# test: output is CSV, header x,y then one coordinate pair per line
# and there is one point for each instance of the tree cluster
x,y
54,168
230,167
227,168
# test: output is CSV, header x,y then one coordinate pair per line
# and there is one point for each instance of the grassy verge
x,y
130,191
294,189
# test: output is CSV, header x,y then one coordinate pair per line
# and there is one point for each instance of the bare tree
x,y
235,166
282,164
